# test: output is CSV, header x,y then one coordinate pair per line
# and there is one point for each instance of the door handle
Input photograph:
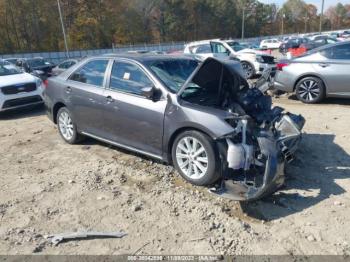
x,y
109,99
68,89
323,65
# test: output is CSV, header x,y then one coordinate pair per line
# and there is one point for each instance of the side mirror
x,y
148,92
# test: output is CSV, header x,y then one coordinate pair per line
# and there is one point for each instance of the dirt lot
x,y
48,186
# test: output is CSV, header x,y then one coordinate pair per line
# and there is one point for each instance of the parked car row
x,y
18,88
253,61
304,41
22,80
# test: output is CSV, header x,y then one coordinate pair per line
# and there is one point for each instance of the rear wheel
x,y
67,127
310,90
194,157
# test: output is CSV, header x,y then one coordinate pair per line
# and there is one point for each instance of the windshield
x,y
173,73
37,62
8,69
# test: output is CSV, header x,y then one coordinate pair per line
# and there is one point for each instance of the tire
x,y
201,169
66,126
248,68
310,90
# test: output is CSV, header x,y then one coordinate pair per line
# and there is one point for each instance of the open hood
x,y
212,70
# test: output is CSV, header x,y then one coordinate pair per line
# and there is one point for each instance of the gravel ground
x,y
48,187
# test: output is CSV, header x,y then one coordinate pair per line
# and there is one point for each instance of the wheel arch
x,y
55,109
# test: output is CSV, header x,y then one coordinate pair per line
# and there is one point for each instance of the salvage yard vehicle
x,y
202,117
270,43
320,73
254,62
63,66
17,88
37,66
318,42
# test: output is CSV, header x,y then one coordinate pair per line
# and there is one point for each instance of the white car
x,y
254,62
270,44
17,88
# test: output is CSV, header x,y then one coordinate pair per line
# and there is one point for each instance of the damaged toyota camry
x,y
203,118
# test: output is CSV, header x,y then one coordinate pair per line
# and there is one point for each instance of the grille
x,y
268,59
21,101
15,89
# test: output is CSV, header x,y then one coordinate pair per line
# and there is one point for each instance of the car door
x,y
219,50
335,69
130,118
84,95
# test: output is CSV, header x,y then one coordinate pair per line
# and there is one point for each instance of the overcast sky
x,y
317,3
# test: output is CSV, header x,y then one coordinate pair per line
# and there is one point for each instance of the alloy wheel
x,y
192,157
309,90
65,125
248,70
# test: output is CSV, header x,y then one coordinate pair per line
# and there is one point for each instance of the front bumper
x,y
284,81
273,177
276,147
19,100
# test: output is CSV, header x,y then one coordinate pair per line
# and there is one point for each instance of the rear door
x,y
85,95
335,69
130,118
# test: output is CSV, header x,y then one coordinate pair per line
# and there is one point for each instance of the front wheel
x,y
310,90
66,126
248,69
194,157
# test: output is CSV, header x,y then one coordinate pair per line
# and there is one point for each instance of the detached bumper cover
x,y
272,180
277,149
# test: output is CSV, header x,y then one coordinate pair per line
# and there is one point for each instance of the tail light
x,y
45,82
281,65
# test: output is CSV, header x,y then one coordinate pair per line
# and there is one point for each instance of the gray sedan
x,y
323,72
201,117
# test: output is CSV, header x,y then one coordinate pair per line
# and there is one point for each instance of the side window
x,y
203,49
128,78
91,73
341,52
64,65
219,48
331,41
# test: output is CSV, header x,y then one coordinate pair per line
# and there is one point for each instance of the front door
x,y
335,69
130,118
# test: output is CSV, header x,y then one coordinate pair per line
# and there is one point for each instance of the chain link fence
x,y
57,57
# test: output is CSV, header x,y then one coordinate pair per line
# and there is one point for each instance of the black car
x,y
38,66
292,43
318,43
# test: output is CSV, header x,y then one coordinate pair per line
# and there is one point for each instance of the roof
x,y
145,57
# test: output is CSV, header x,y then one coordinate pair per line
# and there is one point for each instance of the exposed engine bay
x,y
263,137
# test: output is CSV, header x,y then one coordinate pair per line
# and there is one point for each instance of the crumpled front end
x,y
255,157
261,139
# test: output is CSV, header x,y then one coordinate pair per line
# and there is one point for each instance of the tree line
x,y
34,25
